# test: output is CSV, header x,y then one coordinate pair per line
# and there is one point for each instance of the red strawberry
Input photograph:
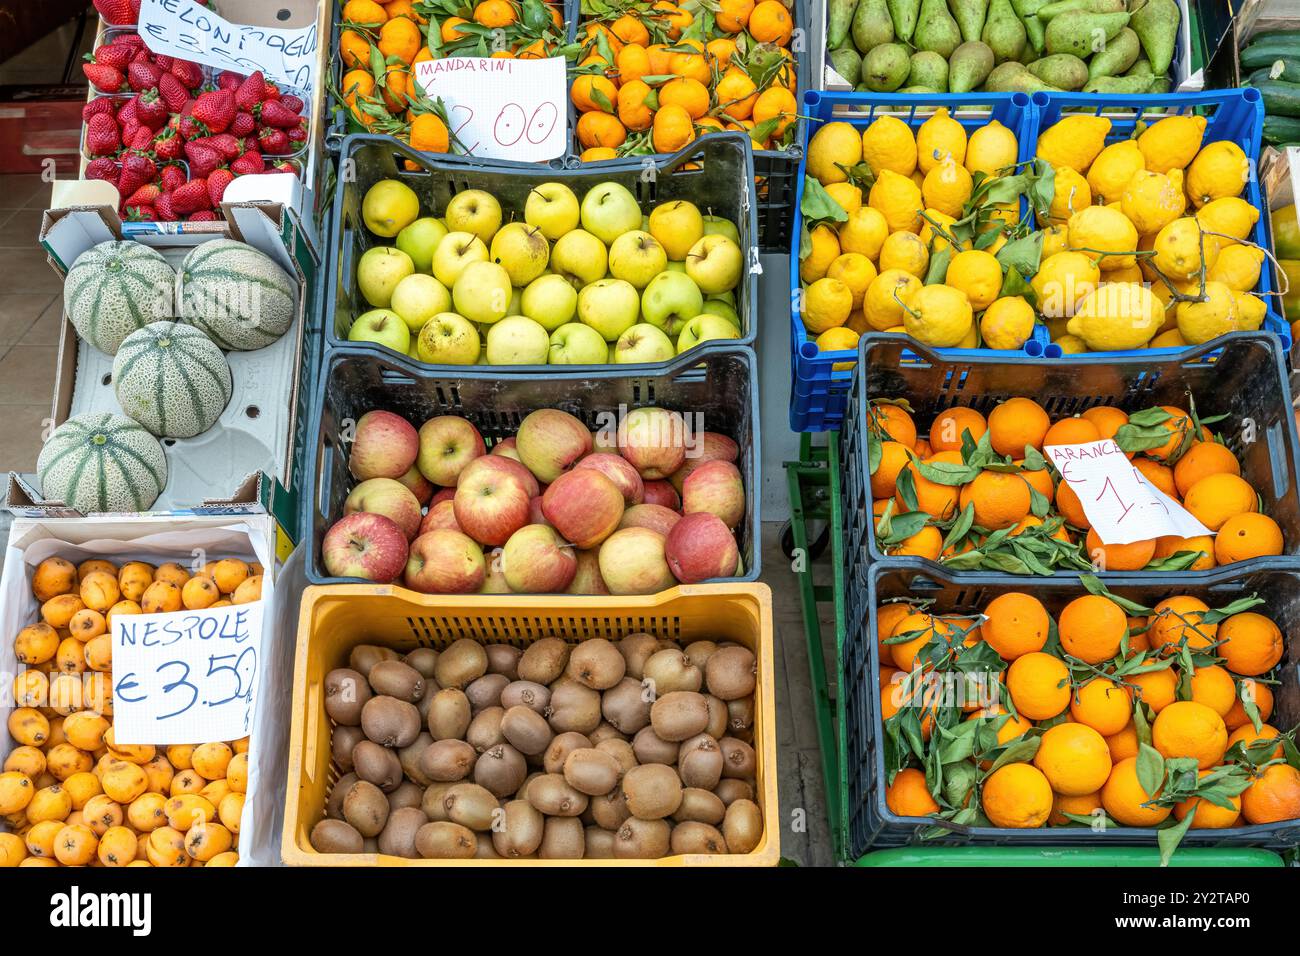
x,y
150,109
217,184
227,144
141,213
173,93
191,197
202,159
139,165
103,168
105,79
214,109
100,104
230,81
131,40
251,92
284,166
273,141
129,130
190,74
243,124
116,55
164,62
141,138
141,55
272,92
190,128
141,76
118,12
102,136
171,177
163,208
146,195
298,134
204,215
248,164
292,103
274,113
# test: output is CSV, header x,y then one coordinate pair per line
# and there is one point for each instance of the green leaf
x,y
1021,750
960,527
1170,837
905,486
817,204
938,266
1043,190
1038,503
904,526
1150,769
1217,614
1136,438
1033,460
945,472
1006,189
1023,255
875,450
1092,584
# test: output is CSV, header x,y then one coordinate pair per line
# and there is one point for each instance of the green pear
x,y
847,63
1003,31
969,66
1120,84
1064,71
928,69
1027,11
1012,77
839,17
936,30
970,16
885,68
1156,24
904,13
872,25
1081,33
1120,54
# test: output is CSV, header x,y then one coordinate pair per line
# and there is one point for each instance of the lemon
x,y
888,144
825,248
864,231
1153,200
938,315
1127,274
847,195
992,149
389,207
1056,238
1237,267
1071,344
1147,243
1007,323
1169,340
934,240
1201,321
883,305
1073,141
970,340
1181,248
1063,281
1103,229
1113,168
1250,310
1219,170
1165,293
1072,194
906,251
826,304
898,199
833,145
939,138
838,340
1117,316
855,271
993,247
1229,216
976,273
1171,143
947,188
1008,213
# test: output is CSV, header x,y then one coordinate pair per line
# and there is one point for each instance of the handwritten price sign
x,y
1120,502
503,108
187,676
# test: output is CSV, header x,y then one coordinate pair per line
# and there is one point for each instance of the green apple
x,y
704,327
389,207
550,301
610,306
677,225
675,265
414,350
521,250
454,253
580,257
418,298
516,306
717,226
448,339
643,343
419,239
517,340
382,326
552,208
378,272
482,293
474,211
576,344
609,210
728,297
720,308
670,301
715,263
637,257
613,353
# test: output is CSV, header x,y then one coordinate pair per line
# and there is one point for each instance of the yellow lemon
x,y
1219,170
1008,213
838,340
1181,248
886,296
1056,238
906,251
832,146
898,199
888,144
1117,316
1153,200
825,247
1063,281
1171,143
992,149
1072,194
1237,267
1173,339
1104,230
1127,274
1250,310
1073,141
1229,216
976,273
935,229
847,195
1201,321
855,271
947,188
1007,323
1071,344
1113,168
864,231
939,315
939,138
826,304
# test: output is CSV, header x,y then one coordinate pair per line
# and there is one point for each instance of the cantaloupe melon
x,y
102,462
172,379
114,288
236,294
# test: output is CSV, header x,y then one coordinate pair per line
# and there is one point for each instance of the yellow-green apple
x,y
579,257
608,210
584,506
522,250
384,445
364,545
440,515
704,328
610,306
387,497
605,437
660,492
552,208
618,470
701,547
576,344
416,483
474,211
383,327
550,301
456,251
517,340
443,561
447,444
717,488
678,225
418,298
717,226
516,306
653,440
379,270
495,580
537,561
482,292
549,441
707,446
715,263
720,307
587,579
670,301
448,339
643,343
491,500
632,562
636,257
419,239
506,446
655,517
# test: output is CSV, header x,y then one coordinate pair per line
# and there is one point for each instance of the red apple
x,y
537,561
491,501
700,547
440,515
655,517
653,440
503,463
708,446
584,506
442,494
495,581
587,580
715,487
387,497
506,446
418,485
618,470
549,441
605,439
535,513
364,545
445,562
384,445
661,492
632,562
447,444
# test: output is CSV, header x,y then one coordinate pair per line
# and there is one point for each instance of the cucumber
x,y
1264,52
1280,97
1290,71
1281,129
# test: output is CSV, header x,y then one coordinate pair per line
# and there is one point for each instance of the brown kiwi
x,y
377,765
652,791
738,759
544,661
551,794
731,672
671,670
625,706
335,836
342,740
636,650
740,713
445,761
366,808
484,730
422,659
485,849
642,839
606,731
700,651
621,751
609,810
405,794
679,715
729,791
591,771
650,748
503,659
700,805
346,692
526,730
560,748
398,836
365,656
573,707
397,680
596,663
409,757
598,843
470,805
527,694
464,661
501,771
449,714
431,689
743,826
562,839
390,722
445,840
486,691
432,804
520,831
699,762
522,792
334,803
695,837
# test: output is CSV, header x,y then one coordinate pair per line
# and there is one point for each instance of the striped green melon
x,y
115,288
102,462
236,294
172,379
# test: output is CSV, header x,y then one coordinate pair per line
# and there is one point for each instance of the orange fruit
x,y
925,627
672,17
1123,797
736,94
672,129
894,422
887,616
932,497
691,95
1106,419
598,154
660,59
733,15
1018,796
1179,425
721,50
1123,744
1170,545
1274,796
1209,816
908,795
1074,759
1039,685
1188,729
1251,644
1015,725
600,129
1203,459
1091,628
893,456
1248,736
1071,431
1216,498
1030,521
1214,687
633,111
1084,805
630,29
1254,690
1137,636
1103,705
1157,686
633,63
1017,624
1040,480
1001,499
773,103
1015,423
592,91
926,543
770,22
1181,618
949,425
1246,536
448,31
1119,557
1071,509
1162,476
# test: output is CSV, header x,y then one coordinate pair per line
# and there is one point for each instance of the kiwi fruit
x,y
398,836
636,650
501,770
740,714
432,804
464,661
445,761
346,692
731,672
652,791
625,706
729,791
334,803
522,792
738,759
405,794
699,762
449,714
409,757
335,836
526,730
366,808
396,679
445,840
642,839
526,694
422,705
342,741
486,691
591,771
486,851
596,663
543,661
560,748
520,830
574,706
484,731
700,651
679,715
609,810
717,726
621,751
700,805
562,839
742,826
598,843
551,794
606,731
390,722
671,670
470,805
650,748
695,837
423,660
365,656
377,765
503,659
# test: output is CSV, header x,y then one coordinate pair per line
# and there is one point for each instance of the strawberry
x,y
150,109
214,109
230,81
190,74
227,144
251,92
202,159
171,177
275,113
191,197
273,141
298,135
100,104
103,168
292,103
118,13
129,130
132,41
217,184
272,92
163,208
164,63
102,136
173,93
248,164
105,79
203,215
141,138
145,195
141,76
141,213
139,166
116,55
243,124
126,112
190,128
141,55
284,166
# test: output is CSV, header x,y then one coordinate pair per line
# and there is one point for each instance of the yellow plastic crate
x,y
335,618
